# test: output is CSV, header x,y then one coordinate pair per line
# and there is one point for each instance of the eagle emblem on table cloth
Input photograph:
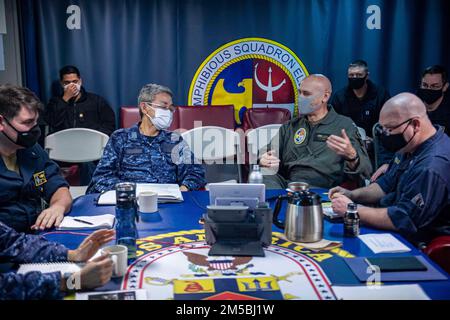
x,y
229,263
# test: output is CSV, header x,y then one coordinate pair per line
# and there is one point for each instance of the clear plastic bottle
x,y
255,175
351,221
126,215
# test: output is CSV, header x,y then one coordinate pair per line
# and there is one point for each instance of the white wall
x,y
10,44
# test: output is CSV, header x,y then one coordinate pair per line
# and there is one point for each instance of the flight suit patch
x,y
300,136
39,178
321,137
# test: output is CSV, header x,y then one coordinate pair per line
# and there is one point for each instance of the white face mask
x,y
305,105
162,119
76,84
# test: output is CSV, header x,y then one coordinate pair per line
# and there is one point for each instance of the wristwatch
x,y
353,159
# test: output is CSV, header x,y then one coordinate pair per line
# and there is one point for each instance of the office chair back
x,y
218,149
76,145
439,251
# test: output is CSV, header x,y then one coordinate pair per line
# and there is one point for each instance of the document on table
x,y
383,243
87,222
381,292
166,193
49,267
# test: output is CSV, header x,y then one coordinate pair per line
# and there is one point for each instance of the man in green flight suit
x,y
319,147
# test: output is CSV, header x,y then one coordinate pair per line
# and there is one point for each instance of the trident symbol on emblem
x,y
269,88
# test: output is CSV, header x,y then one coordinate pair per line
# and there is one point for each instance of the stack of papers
x,y
166,193
87,222
62,267
380,292
383,243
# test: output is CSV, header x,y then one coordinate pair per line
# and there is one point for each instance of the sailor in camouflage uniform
x,y
21,248
146,152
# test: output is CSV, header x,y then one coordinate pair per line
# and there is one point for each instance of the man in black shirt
x,y
434,93
77,108
361,99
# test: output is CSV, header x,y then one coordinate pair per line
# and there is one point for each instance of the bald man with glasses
x,y
413,197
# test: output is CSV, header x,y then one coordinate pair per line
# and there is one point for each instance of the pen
x,y
82,221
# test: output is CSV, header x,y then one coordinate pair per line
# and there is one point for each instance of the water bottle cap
x,y
255,167
126,186
352,206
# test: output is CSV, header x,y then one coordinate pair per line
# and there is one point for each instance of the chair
x,y
257,140
439,251
257,117
129,115
218,149
376,145
76,145
185,117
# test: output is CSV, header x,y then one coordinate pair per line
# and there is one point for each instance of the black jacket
x,y
441,115
364,112
90,111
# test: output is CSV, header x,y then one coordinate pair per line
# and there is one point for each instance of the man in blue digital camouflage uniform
x,y
21,248
414,194
28,178
146,152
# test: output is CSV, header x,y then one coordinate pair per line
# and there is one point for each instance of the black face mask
x,y
394,142
430,96
25,139
356,83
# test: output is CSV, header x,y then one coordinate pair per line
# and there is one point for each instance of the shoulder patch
x,y
300,136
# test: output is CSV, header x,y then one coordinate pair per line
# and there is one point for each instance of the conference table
x,y
174,238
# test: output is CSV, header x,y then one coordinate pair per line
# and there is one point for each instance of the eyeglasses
x,y
379,130
161,106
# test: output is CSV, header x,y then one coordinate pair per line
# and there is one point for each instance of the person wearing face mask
x,y
77,108
361,99
147,152
319,147
434,93
28,178
413,197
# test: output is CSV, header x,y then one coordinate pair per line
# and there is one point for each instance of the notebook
x,y
87,222
166,193
62,267
383,243
391,264
364,272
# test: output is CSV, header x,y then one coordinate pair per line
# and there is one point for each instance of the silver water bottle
x,y
255,175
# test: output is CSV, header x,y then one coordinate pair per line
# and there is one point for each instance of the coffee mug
x,y
119,255
148,202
